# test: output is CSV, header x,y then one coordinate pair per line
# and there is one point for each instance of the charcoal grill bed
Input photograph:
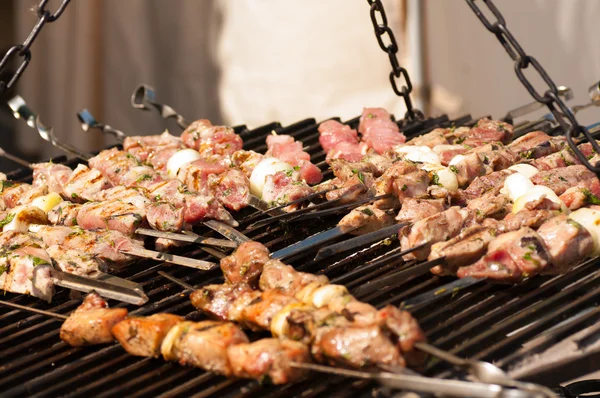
x,y
487,321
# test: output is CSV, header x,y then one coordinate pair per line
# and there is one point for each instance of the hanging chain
x,y
23,51
550,98
382,30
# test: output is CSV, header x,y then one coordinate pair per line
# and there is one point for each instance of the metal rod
x,y
192,238
30,309
15,159
170,258
176,280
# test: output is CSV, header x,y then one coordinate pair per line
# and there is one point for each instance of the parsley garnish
x,y
3,269
227,192
435,179
74,195
144,177
289,173
367,211
590,197
7,219
359,174
38,261
454,169
297,168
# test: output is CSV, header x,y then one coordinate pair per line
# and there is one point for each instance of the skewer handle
x,y
170,258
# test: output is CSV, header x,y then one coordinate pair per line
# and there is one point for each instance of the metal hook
x,y
21,110
144,98
89,122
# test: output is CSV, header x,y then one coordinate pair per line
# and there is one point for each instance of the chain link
x,y
387,42
563,115
23,51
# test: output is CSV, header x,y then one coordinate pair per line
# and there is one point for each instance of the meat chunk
x,y
353,189
217,300
114,214
414,210
537,144
379,131
436,228
434,138
75,261
366,219
561,179
268,360
489,183
462,250
406,330
258,313
284,278
84,184
332,133
281,188
52,175
203,345
285,148
492,130
568,243
207,139
65,213
91,323
143,336
510,257
563,158
355,346
246,264
524,218
412,185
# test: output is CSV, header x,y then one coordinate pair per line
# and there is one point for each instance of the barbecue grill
x,y
503,324
515,327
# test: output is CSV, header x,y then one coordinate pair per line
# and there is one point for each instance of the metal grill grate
x,y
485,321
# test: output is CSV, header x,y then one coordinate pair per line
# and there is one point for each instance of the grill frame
x,y
34,362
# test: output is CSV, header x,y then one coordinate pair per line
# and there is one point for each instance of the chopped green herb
x,y
117,170
144,177
562,178
461,140
370,116
243,269
367,211
454,169
289,173
435,179
7,219
404,187
297,168
6,184
74,196
590,197
38,261
453,128
227,192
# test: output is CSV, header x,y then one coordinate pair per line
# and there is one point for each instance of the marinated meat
x,y
164,216
563,158
84,184
353,189
489,205
91,323
567,242
366,219
467,168
246,264
339,141
52,175
447,152
25,267
379,131
258,313
207,139
537,144
561,179
433,139
524,218
281,188
115,215
65,213
510,257
412,185
284,278
436,228
489,183
492,130
143,336
406,330
246,161
287,149
75,261
138,141
217,300
355,346
414,210
461,250
203,345
268,360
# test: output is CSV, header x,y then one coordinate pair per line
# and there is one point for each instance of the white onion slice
x,y
445,177
267,166
536,193
323,295
19,218
516,185
421,154
590,220
180,159
46,202
525,169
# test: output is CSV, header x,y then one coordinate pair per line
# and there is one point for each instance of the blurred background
x,y
257,61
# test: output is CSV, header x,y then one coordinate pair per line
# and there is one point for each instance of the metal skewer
x,y
35,310
177,281
22,111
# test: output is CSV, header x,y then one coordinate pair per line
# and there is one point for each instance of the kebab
x,y
232,175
